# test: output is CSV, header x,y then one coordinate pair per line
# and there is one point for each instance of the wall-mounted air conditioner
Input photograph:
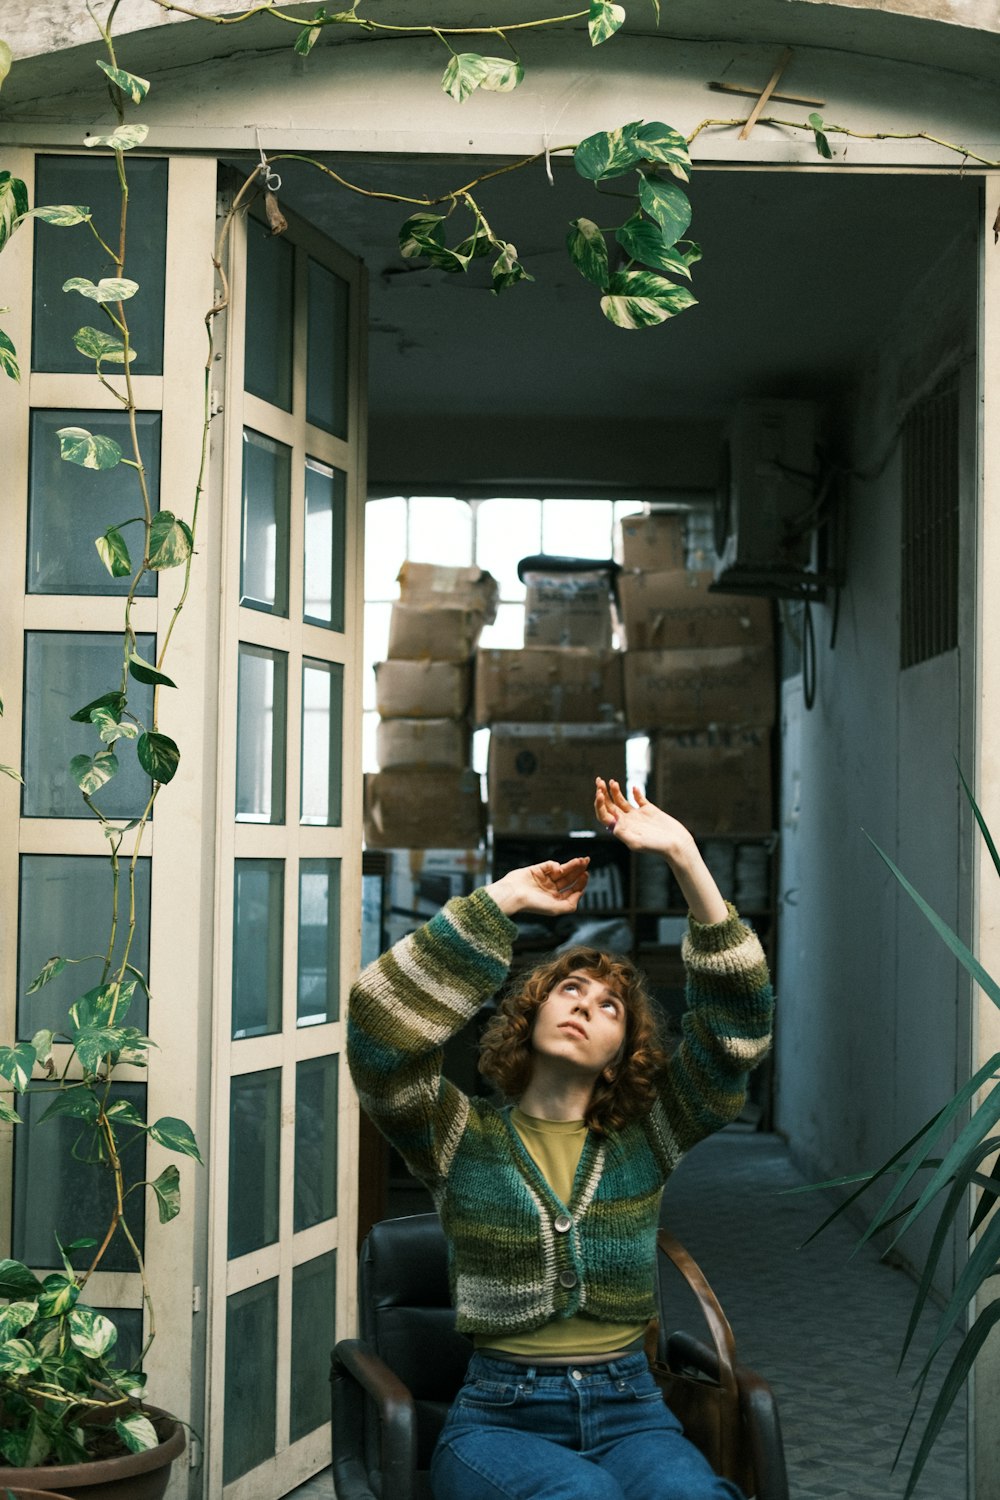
x,y
765,509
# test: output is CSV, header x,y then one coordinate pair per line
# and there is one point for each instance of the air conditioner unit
x,y
765,503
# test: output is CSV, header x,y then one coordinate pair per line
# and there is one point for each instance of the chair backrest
x,y
405,1314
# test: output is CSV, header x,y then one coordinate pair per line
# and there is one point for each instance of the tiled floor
x,y
824,1329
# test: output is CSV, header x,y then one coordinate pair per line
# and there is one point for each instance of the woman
x,y
551,1204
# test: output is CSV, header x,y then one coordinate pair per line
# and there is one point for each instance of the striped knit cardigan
x,y
520,1257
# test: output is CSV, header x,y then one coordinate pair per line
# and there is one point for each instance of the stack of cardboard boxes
x,y
699,679
555,709
425,794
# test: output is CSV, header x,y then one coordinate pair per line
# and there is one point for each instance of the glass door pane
x,y
270,300
260,735
258,924
322,733
264,561
325,532
254,1129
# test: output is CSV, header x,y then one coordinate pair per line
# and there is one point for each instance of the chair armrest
x,y
757,1404
357,1373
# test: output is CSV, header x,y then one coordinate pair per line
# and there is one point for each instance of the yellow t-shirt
x,y
556,1146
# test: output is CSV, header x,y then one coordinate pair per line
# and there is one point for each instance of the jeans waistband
x,y
619,1366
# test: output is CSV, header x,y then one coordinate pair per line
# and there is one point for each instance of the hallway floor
x,y
825,1330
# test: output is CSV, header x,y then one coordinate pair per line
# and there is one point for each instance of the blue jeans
x,y
590,1432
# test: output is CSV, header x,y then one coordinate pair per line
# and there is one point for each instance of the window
x,y
494,534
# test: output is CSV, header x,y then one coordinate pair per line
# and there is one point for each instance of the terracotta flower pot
x,y
128,1476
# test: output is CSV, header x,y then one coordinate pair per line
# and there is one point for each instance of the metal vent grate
x,y
929,611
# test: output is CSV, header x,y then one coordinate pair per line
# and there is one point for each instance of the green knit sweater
x,y
518,1255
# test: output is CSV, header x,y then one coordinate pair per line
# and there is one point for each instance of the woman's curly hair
x,y
506,1056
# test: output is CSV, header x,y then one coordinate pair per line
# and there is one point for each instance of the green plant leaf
x,y
12,773
507,270
170,541
176,1136
642,240
8,357
50,968
89,450
14,1317
17,1063
135,88
110,727
503,74
137,1433
61,214
8,1114
101,346
167,1188
16,1281
18,1357
640,299
74,1100
983,829
59,1293
421,234
819,132
588,251
604,20
6,61
13,205
108,289
463,75
42,1043
123,139
952,1384
104,1005
306,40
668,204
115,701
608,153
951,940
124,1112
144,671
113,552
92,772
158,756
95,1043
662,143
91,1332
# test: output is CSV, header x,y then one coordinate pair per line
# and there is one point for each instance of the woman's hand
x,y
644,826
641,825
549,888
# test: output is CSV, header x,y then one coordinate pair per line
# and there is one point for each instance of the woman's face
x,y
580,1023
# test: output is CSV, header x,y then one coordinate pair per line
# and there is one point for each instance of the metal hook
x,y
272,179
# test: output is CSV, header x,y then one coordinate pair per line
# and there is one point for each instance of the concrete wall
x,y
874,1016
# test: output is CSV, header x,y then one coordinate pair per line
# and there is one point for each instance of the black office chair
x,y
392,1387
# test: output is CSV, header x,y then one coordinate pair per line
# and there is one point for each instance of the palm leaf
x,y
951,1385
988,837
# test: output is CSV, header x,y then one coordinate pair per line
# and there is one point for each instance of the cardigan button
x,y
563,1224
567,1278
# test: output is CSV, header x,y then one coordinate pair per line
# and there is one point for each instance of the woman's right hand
x,y
548,889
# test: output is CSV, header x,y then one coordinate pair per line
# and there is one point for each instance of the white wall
x,y
874,1017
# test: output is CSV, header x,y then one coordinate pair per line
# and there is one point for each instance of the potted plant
x,y
72,1415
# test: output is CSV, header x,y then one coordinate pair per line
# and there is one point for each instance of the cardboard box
x,y
423,742
541,777
568,609
718,782
682,690
549,684
465,588
662,611
655,542
417,809
417,632
422,689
